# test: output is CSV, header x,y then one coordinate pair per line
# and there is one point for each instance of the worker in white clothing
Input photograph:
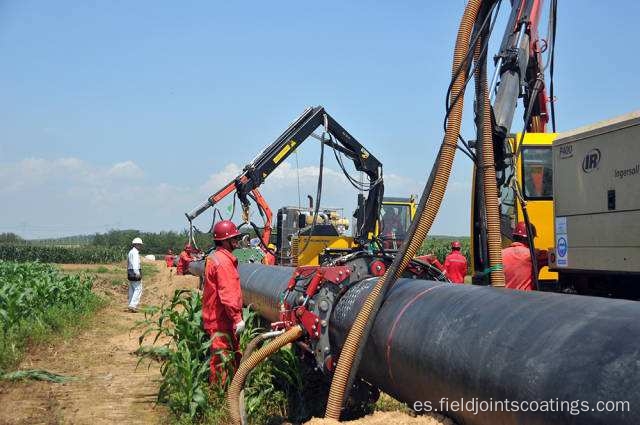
x,y
134,274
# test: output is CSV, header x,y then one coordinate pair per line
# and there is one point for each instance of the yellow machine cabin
x,y
532,170
302,244
535,176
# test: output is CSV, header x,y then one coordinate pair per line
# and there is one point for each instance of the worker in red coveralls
x,y
516,259
222,301
269,259
169,258
184,259
455,265
432,260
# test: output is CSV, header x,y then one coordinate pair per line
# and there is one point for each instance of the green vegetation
x,y
154,243
36,375
274,388
60,254
36,301
101,269
388,404
149,270
440,246
11,238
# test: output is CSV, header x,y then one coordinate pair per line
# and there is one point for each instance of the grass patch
x,y
149,270
97,270
118,282
39,303
62,321
386,403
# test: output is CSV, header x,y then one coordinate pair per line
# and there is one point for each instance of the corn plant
x,y
177,326
85,254
185,367
36,296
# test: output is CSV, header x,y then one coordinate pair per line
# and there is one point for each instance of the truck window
x,y
536,172
395,223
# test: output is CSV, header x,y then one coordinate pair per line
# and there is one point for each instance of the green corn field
x,y
182,346
86,254
440,246
37,298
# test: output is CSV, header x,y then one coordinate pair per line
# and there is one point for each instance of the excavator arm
x,y
255,173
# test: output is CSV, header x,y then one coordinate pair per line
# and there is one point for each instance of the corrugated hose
x,y
246,366
429,205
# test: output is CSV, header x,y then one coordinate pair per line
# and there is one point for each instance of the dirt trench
x,y
110,388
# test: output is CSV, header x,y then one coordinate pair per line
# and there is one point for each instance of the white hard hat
x,y
137,241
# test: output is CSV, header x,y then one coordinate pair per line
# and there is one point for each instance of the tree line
x,y
154,242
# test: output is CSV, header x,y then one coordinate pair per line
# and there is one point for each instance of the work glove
x,y
239,327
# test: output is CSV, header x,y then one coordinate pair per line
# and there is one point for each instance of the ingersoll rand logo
x,y
591,160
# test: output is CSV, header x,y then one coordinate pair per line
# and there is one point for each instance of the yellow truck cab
x,y
395,218
535,177
328,239
533,172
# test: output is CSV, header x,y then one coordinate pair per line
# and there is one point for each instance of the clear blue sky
x,y
125,114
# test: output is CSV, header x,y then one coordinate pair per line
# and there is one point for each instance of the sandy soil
x,y
386,418
110,389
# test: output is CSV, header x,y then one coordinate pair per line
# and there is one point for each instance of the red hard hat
x,y
521,230
455,245
225,229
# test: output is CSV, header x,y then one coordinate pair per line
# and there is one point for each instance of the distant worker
x,y
134,275
270,259
169,258
432,260
222,300
184,259
516,259
455,265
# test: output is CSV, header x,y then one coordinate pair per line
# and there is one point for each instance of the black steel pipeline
x,y
432,341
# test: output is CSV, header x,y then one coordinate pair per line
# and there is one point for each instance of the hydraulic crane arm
x,y
519,73
255,173
518,67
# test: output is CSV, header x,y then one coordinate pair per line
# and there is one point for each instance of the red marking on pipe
x,y
395,323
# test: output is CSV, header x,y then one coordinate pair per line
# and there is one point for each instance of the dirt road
x,y
110,389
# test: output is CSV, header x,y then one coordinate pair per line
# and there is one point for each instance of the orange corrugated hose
x,y
424,219
233,395
494,239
